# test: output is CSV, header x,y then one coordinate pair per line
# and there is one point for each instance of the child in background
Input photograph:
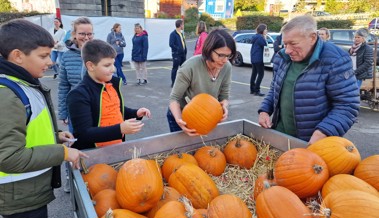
x,y
96,106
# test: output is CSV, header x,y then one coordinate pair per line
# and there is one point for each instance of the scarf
x,y
354,49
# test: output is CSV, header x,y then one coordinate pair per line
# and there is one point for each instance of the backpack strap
x,y
20,94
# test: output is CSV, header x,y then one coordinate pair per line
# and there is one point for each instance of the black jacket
x,y
365,60
176,45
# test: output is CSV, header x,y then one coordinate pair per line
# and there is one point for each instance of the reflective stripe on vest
x,y
39,131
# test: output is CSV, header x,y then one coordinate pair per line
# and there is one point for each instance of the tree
x,y
249,5
5,6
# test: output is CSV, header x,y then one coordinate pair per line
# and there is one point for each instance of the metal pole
x,y
374,72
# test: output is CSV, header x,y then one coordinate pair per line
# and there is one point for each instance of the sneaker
x,y
125,83
144,82
66,187
259,94
138,82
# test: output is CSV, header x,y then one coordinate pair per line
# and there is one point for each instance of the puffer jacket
x,y
140,47
326,95
70,74
365,60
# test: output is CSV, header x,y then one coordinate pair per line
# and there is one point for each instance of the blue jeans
x,y
174,127
56,57
118,65
37,213
177,62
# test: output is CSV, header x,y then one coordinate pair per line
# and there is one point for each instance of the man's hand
x,y
182,124
317,135
264,120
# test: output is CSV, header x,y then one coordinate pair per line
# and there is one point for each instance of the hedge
x,y
7,16
274,23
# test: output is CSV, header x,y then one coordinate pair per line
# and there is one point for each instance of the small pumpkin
x,y
121,213
211,160
178,209
174,161
105,200
240,151
139,185
202,113
339,154
192,182
260,181
169,194
228,205
368,171
301,171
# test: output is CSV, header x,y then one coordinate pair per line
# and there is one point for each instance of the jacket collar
x,y
11,69
88,80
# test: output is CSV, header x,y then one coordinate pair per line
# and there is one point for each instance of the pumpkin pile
x,y
241,178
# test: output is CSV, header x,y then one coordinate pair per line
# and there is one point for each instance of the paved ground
x,y
154,96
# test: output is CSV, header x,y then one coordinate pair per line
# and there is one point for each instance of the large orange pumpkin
x,y
368,170
301,171
174,161
139,185
192,182
202,113
178,209
105,200
339,154
228,205
351,204
121,213
99,177
240,151
169,194
347,182
211,160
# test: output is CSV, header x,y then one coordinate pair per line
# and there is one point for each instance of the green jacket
x,y
15,157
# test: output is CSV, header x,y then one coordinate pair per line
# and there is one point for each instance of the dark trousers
x,y
37,213
255,83
174,127
177,61
118,65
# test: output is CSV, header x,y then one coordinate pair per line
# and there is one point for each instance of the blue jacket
x,y
256,51
140,47
326,95
176,45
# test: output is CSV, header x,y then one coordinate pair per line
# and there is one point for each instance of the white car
x,y
243,43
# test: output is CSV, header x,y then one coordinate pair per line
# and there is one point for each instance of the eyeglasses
x,y
221,56
87,34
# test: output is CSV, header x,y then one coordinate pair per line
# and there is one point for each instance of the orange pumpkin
x,y
301,171
279,202
211,160
121,213
174,161
240,151
99,177
347,182
169,194
177,209
202,212
192,182
228,205
259,182
368,171
350,204
139,185
339,154
105,200
202,113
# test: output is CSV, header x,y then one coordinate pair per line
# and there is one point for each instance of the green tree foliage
x,y
5,6
249,5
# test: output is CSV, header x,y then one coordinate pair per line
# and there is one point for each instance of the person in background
x,y
96,106
201,31
139,53
58,34
30,144
324,33
117,40
207,73
178,49
256,57
278,44
313,93
363,55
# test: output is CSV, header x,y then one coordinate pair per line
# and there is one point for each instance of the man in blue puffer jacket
x,y
314,92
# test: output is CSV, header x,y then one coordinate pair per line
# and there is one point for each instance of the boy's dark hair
x,y
218,38
178,23
95,50
23,35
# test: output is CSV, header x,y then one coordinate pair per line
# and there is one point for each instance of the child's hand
x,y
131,126
74,156
143,112
65,136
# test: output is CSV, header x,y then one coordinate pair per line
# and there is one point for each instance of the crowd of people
x,y
314,93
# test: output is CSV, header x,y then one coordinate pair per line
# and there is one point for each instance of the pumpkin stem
x,y
187,205
350,148
187,99
266,185
270,174
317,168
212,152
327,212
109,213
83,166
238,142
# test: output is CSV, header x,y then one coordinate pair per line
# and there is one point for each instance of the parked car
x,y
374,24
344,38
317,13
243,43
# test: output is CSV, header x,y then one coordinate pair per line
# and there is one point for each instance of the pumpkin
x,y
228,205
279,202
259,182
211,160
177,209
169,194
203,213
301,171
139,185
105,200
240,151
368,171
350,204
192,182
98,177
339,154
174,161
202,113
349,182
121,213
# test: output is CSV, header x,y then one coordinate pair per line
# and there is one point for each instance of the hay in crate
x,y
236,180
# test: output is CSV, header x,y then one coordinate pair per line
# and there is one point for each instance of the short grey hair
x,y
306,24
363,32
